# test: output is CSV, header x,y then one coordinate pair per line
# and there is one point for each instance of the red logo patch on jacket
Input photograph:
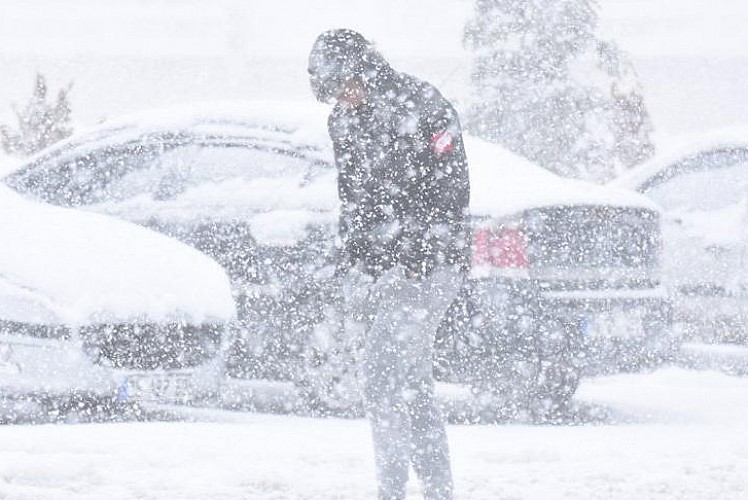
x,y
442,143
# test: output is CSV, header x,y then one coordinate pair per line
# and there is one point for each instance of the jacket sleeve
x,y
345,163
445,182
440,190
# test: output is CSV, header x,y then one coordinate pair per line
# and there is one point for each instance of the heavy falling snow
x,y
674,430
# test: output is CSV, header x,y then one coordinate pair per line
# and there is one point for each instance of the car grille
x,y
594,246
149,346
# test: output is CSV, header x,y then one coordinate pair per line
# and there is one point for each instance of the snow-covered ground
x,y
669,434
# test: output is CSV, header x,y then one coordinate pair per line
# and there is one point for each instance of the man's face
x,y
331,73
325,84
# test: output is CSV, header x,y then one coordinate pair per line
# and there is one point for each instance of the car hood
x,y
72,267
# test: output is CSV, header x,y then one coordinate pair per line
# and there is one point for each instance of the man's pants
x,y
400,317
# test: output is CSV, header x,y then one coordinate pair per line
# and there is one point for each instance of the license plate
x,y
157,387
616,323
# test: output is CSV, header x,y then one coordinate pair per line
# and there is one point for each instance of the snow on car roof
x,y
503,183
65,266
304,121
681,147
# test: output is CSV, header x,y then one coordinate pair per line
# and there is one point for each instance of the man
x,y
404,191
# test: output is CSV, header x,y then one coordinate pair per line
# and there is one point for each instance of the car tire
x,y
524,377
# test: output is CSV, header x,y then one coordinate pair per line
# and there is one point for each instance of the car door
x,y
705,226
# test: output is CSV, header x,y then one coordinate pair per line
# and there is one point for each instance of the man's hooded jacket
x,y
403,178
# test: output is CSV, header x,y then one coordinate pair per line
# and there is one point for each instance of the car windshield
x,y
706,182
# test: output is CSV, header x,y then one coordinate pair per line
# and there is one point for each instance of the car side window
x,y
110,165
197,164
161,167
218,161
706,182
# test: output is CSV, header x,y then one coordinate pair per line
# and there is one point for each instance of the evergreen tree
x,y
544,86
39,123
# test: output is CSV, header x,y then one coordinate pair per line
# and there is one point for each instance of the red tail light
x,y
503,248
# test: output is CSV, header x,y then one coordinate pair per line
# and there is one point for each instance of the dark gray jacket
x,y
403,178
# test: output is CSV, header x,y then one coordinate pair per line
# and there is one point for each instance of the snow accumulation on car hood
x,y
503,183
65,266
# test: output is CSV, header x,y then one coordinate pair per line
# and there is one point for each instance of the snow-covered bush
x,y
40,123
545,86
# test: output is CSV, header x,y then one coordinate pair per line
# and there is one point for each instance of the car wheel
x,y
533,376
551,395
559,350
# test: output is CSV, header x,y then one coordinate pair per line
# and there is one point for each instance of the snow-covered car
x,y
92,306
565,272
702,185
